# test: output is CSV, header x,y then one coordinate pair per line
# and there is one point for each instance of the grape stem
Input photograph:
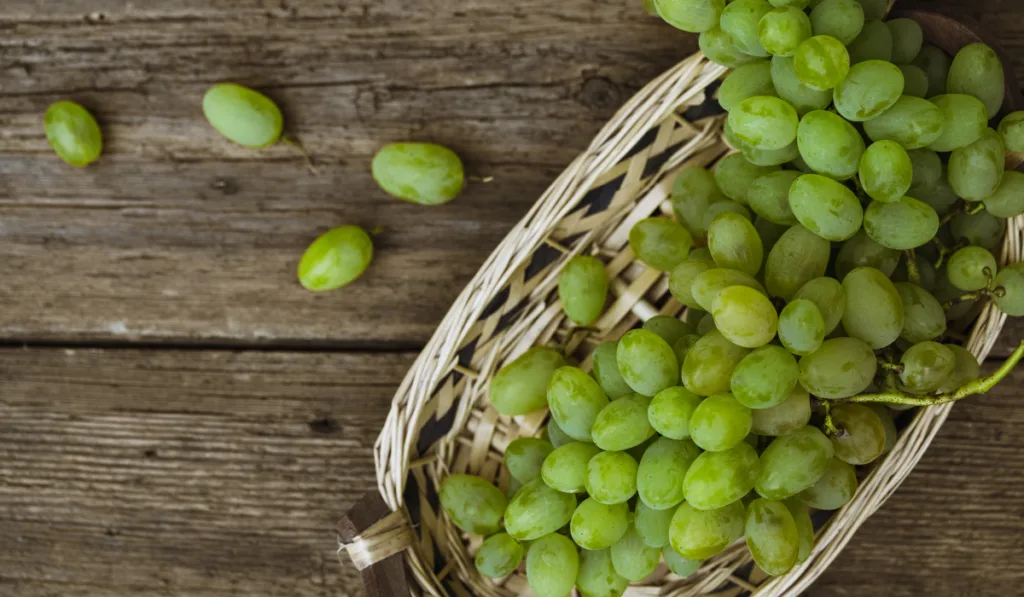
x,y
830,425
976,208
893,367
959,208
978,386
913,272
290,142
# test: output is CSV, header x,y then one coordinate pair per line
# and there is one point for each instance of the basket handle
x,y
375,538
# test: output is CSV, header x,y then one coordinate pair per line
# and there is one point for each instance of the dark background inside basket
x,y
178,417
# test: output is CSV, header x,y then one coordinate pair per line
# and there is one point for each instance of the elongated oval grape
x,y
335,259
764,122
647,363
597,576
1011,280
967,267
981,229
683,345
749,80
769,232
787,417
660,243
724,207
565,469
498,555
821,62
422,173
551,566
668,328
977,71
797,258
935,63
841,19
244,116
597,526
923,318
525,456
886,172
623,423
927,167
575,399
912,122
699,534
874,312
907,39
679,565
874,43
965,370
804,528
719,423
521,387
966,120
652,525
708,284
764,378
611,477
717,479
926,367
662,470
473,505
583,289
606,371
792,463
709,365
735,244
871,88
670,411
782,30
939,196
828,295
768,196
830,145
861,251
801,327
74,134
825,207
693,192
901,225
556,435
720,48
694,16
1011,128
975,171
633,559
740,20
537,510
706,324
745,316
680,282
862,436
788,86
734,174
841,368
892,434
834,489
1008,199
915,80
772,536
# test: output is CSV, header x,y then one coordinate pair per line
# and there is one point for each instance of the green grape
x,y
638,451
1008,199
575,400
692,193
765,377
244,116
551,565
498,556
875,9
982,229
966,120
830,145
834,489
669,328
681,280
874,43
717,479
926,367
862,439
1010,279
720,48
719,423
651,8
583,289
801,327
707,324
670,412
874,312
473,504
915,80
683,345
804,528
537,510
662,470
597,526
782,30
611,477
709,365
660,243
699,534
768,196
939,196
525,456
335,259
924,318
792,463
965,370
694,16
74,134
623,423
652,525
565,469
763,157
907,37
647,363
1012,130
935,63
861,251
734,243
841,368
825,207
912,122
798,257
886,171
871,88
800,4
745,316
606,371
554,434
967,267
769,232
976,171
901,225
724,207
422,173
782,419
597,576
977,71
841,19
679,565
891,433
749,80
821,62
804,99
772,536
740,20
521,387
927,167
828,296
708,284
632,558
764,122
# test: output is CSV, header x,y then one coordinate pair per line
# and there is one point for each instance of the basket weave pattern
x,y
441,421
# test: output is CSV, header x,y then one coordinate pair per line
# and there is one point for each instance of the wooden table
x,y
178,417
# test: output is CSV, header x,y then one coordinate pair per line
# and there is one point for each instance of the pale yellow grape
x,y
710,363
745,316
521,386
977,71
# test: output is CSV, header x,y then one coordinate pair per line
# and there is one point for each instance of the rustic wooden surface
x,y
177,417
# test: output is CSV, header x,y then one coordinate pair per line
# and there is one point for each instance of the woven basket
x,y
441,421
